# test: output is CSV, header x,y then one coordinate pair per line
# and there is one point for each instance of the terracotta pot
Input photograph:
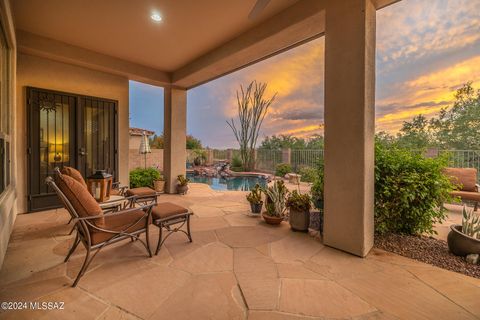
x,y
460,244
182,189
256,207
159,185
299,220
271,219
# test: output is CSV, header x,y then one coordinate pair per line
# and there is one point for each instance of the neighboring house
x,y
136,137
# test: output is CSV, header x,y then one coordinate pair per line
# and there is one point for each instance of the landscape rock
x,y
473,258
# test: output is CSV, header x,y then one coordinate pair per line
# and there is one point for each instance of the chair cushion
x,y
167,209
82,201
75,174
467,195
142,191
464,178
121,222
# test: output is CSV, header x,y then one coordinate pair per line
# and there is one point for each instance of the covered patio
x,y
237,267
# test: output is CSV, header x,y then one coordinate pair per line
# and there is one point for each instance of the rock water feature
x,y
219,169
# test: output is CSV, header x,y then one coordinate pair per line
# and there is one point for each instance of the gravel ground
x,y
428,250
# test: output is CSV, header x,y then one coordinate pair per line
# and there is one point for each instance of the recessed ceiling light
x,y
156,17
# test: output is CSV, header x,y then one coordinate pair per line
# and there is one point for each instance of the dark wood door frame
x,y
75,146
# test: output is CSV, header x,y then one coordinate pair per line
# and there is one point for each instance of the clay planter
x,y
159,185
271,219
182,189
460,244
299,220
256,207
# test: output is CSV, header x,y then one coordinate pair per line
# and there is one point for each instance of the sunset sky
x,y
425,50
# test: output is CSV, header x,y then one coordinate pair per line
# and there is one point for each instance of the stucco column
x,y
175,129
349,125
287,155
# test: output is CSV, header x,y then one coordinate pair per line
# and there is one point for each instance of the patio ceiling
x,y
193,43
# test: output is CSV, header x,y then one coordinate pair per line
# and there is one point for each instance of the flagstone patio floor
x,y
236,268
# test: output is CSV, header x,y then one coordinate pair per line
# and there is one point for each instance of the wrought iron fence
x,y
267,160
305,158
219,154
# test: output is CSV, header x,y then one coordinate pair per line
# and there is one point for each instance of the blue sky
x,y
425,50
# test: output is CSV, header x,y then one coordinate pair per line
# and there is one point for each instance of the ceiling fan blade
x,y
257,9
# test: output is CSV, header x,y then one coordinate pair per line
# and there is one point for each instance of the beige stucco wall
x,y
48,74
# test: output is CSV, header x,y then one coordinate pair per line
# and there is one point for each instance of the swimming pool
x,y
246,183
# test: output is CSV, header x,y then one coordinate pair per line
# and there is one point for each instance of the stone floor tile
x,y
320,298
463,290
213,257
257,277
143,291
297,271
295,247
203,211
114,313
179,246
336,264
206,224
206,296
238,237
404,296
242,220
275,315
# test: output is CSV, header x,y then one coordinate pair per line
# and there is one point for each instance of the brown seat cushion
x,y
464,178
467,195
75,174
81,200
121,222
142,191
167,209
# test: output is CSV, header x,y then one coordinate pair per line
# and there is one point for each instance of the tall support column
x,y
175,131
349,125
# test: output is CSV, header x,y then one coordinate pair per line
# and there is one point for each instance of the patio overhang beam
x,y
56,50
292,27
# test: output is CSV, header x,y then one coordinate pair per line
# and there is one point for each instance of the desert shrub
x,y
140,177
409,191
308,174
236,164
282,169
318,185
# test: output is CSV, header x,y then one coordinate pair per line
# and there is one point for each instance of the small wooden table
x,y
114,203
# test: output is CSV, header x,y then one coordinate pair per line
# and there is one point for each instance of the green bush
x,y
282,169
308,174
409,191
318,186
144,177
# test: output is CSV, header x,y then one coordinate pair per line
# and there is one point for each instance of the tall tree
x,y
415,134
459,126
252,109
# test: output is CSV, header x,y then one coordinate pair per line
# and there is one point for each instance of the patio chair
x,y
95,229
465,180
168,216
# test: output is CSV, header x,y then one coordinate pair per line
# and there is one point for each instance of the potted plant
x,y
299,206
159,184
255,199
275,202
182,185
465,239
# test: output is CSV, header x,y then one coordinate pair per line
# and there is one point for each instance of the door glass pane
x,y
54,135
98,138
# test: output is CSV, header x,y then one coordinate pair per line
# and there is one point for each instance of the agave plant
x,y
276,194
470,223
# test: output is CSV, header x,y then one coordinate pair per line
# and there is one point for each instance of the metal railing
x,y
463,159
305,158
267,160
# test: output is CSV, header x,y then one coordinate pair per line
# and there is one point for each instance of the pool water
x,y
232,183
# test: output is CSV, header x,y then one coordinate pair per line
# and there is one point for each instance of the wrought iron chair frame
x,y
168,222
84,226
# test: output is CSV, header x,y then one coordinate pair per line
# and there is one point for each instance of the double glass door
x,y
67,130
